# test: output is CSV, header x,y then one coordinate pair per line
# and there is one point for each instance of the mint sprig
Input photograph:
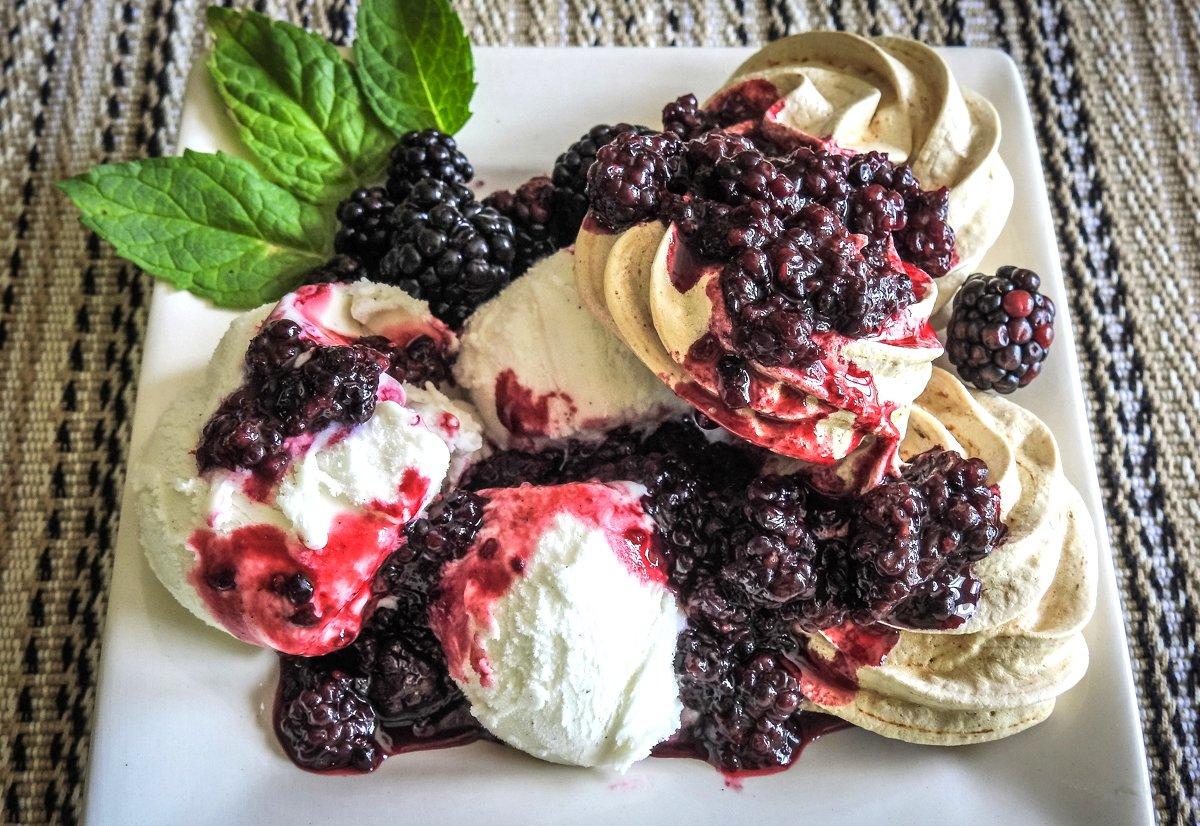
x,y
296,104
316,126
415,64
209,224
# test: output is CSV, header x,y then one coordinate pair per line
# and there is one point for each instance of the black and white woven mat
x,y
1115,88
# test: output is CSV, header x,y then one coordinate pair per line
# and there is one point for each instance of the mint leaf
x,y
210,224
415,64
297,105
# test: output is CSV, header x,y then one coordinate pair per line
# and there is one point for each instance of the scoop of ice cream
x,y
892,95
538,365
1002,670
558,628
284,562
667,308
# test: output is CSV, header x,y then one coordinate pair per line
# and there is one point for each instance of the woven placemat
x,y
1115,91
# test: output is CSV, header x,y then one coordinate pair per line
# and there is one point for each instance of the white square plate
x,y
182,731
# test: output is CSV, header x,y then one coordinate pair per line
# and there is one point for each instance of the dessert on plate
x,y
653,455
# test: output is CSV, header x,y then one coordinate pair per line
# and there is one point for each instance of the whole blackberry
x,y
364,232
274,347
570,176
327,722
531,210
685,118
336,384
337,270
1001,329
627,182
454,258
425,154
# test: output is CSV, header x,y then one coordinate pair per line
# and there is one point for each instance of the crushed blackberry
x,y
454,258
531,210
927,240
420,361
570,176
684,117
627,182
757,562
241,435
425,154
325,721
274,347
339,269
730,170
334,385
1000,329
363,231
317,387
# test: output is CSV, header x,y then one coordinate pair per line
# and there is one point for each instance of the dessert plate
x,y
182,729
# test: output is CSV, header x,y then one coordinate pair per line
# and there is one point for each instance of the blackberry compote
x,y
1001,329
391,685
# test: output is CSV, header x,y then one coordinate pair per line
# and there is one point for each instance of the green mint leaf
x,y
209,224
297,105
415,64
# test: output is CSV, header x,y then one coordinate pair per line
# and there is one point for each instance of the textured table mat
x,y
1115,91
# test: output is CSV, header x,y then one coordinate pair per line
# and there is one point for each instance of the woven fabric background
x,y
1115,87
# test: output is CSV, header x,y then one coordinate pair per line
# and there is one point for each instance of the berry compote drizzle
x,y
758,563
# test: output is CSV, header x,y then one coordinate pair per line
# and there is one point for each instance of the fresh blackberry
x,y
325,721
685,118
627,181
334,385
570,176
425,154
531,210
240,435
454,258
364,232
1001,329
274,347
430,192
337,270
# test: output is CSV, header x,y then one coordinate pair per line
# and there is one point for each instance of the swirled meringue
x,y
1002,671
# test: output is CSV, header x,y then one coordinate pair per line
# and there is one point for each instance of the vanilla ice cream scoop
x,y
285,559
538,365
558,627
